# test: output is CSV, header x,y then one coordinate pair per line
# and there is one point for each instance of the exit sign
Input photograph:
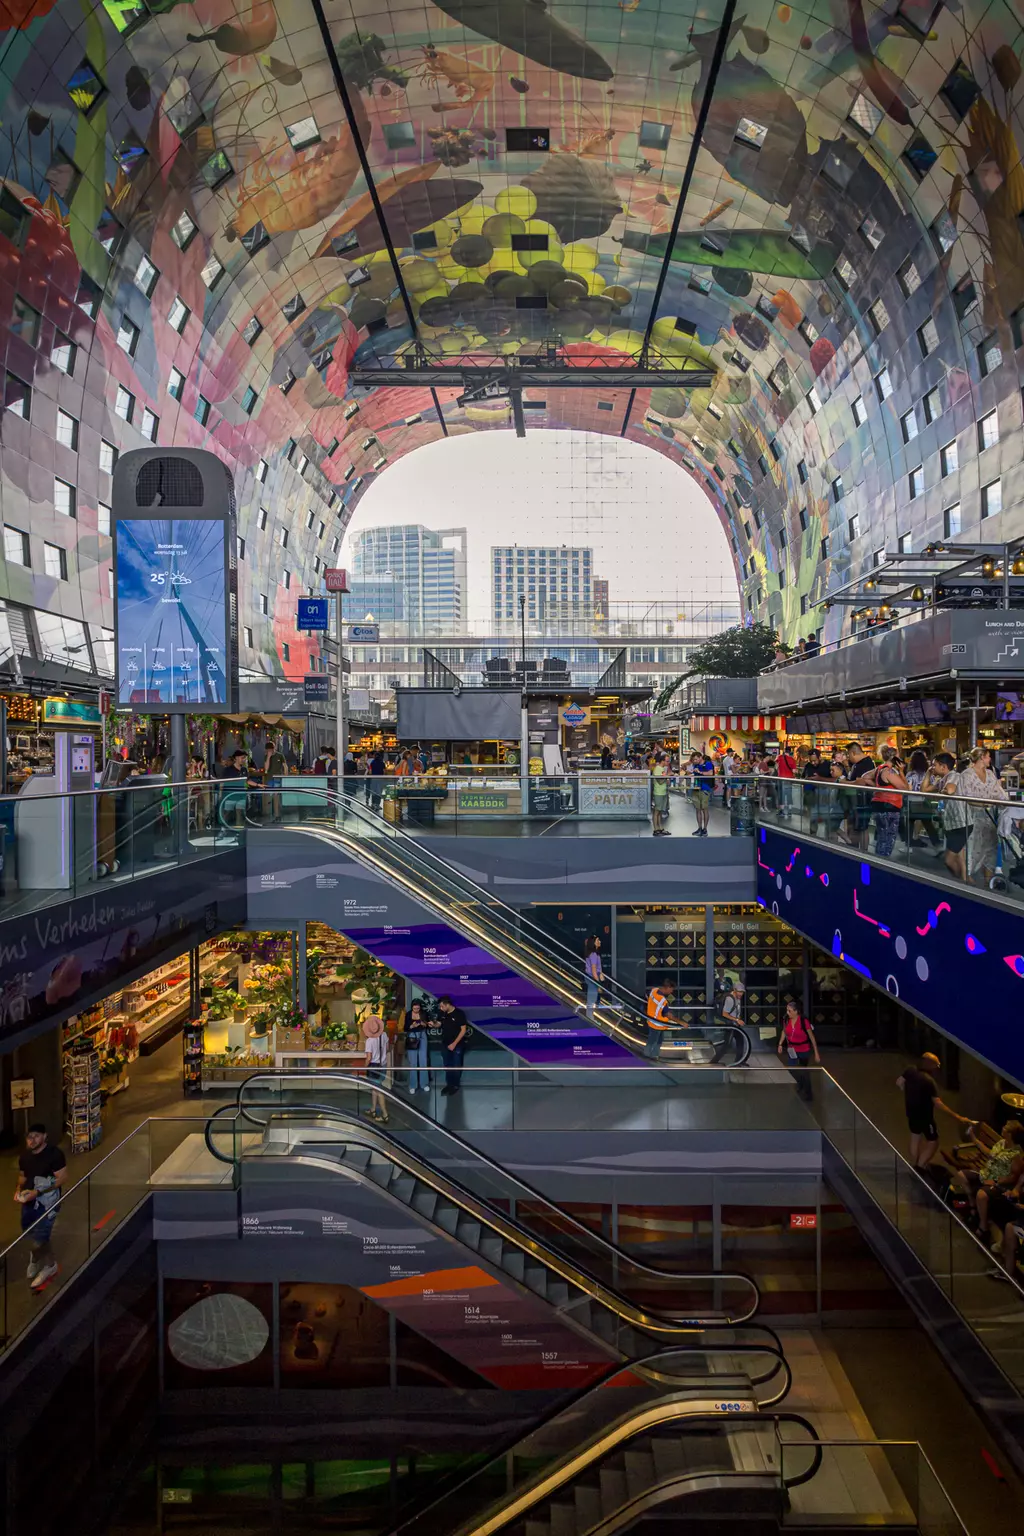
x,y
803,1221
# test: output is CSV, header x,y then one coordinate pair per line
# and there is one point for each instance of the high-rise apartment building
x,y
429,564
556,580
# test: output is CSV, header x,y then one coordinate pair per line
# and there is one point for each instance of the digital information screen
x,y
172,611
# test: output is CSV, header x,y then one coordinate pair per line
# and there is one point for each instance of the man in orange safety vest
x,y
659,1001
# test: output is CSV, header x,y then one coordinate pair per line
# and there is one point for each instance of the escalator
x,y
476,916
514,1232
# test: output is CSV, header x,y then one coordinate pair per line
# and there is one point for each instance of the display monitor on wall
x,y
1009,706
174,583
935,710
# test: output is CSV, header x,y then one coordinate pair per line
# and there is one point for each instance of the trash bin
x,y
741,817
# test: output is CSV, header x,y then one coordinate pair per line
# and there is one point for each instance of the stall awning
x,y
737,722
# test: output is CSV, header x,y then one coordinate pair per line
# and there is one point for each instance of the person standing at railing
x,y
785,768
659,1001
860,768
979,782
378,1062
454,1029
702,770
594,973
954,815
42,1171
414,1031
378,768
921,1100
659,795
887,802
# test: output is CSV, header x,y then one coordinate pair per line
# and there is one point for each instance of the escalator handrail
x,y
621,1430
615,1253
545,944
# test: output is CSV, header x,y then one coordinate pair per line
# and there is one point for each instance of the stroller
x,y
1010,856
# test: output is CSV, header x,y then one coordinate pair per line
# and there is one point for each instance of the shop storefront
x,y
912,724
746,734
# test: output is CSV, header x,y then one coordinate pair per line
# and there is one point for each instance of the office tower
x,y
430,566
600,598
375,597
556,580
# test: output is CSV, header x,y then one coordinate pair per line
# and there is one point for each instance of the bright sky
x,y
654,533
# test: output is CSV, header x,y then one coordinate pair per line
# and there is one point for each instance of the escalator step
x,y
613,1489
562,1519
603,1323
468,1231
669,1456
357,1157
425,1201
405,1187
446,1216
587,1498
490,1247
537,1279
558,1293
513,1262
537,1526
640,1473
380,1169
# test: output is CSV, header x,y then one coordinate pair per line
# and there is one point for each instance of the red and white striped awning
x,y
737,722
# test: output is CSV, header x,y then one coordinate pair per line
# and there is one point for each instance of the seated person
x,y
996,1187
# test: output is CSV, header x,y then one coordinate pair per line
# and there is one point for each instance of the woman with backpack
x,y
887,802
798,1039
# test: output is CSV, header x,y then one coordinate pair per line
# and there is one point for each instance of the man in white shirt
x,y
731,1012
729,767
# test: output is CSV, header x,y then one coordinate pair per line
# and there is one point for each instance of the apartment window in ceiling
x,y
992,498
128,335
878,557
801,470
990,354
64,498
212,272
803,604
303,133
251,330
240,548
860,412
845,272
808,331
762,462
932,404
965,298
177,319
988,430
287,580
183,232
15,218
803,519
879,317
919,155
903,544
89,296
286,651
872,232
311,517
264,603
55,562
247,634
63,354
865,114
915,482
124,403
108,456
750,133
813,400
282,537
782,538
323,527
103,517
287,382
17,397
301,464
951,522
85,88
25,322
146,276
175,383
908,278
67,430
149,425
853,527
943,231
837,488
202,410
883,384
908,426
249,399
16,550
261,472
216,169
949,459
928,337
960,90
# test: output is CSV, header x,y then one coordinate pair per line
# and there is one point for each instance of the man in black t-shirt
x,y
42,1170
921,1100
454,1029
860,770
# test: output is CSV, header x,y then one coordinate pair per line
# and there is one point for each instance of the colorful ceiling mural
x,y
211,214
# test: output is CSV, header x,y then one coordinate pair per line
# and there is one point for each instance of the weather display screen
x,y
172,617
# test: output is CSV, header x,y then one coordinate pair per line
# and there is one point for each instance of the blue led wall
x,y
955,960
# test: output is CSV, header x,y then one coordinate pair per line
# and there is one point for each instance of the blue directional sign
x,y
313,612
